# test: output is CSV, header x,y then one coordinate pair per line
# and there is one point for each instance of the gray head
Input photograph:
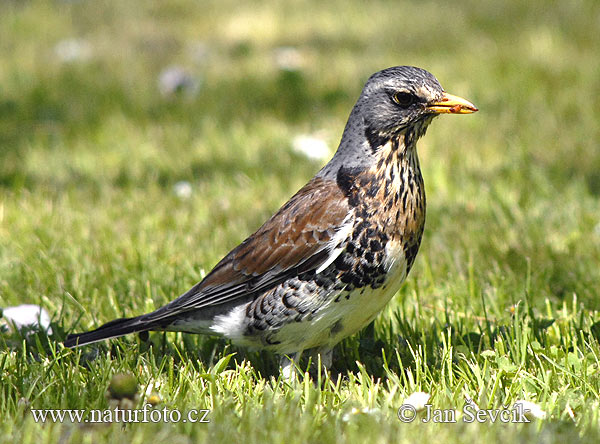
x,y
393,101
402,97
396,98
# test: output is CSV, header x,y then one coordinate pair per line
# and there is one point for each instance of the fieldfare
x,y
332,257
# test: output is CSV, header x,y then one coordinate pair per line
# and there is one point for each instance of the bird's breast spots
x,y
387,172
411,249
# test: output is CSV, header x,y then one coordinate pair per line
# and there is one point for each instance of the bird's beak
x,y
452,105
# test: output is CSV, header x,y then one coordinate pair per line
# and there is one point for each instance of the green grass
x,y
502,303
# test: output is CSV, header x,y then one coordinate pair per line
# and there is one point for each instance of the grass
x,y
502,303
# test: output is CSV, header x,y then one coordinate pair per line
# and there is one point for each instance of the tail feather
x,y
112,329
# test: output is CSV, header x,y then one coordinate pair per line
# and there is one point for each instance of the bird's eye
x,y
404,99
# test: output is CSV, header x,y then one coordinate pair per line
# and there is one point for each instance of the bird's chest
x,y
380,250
389,216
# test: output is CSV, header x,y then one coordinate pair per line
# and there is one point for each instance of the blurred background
x,y
140,141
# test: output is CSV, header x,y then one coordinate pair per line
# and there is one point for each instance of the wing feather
x,y
296,239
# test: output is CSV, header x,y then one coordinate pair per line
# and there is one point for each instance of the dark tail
x,y
112,329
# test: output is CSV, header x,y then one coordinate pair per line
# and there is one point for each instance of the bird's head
x,y
398,101
404,97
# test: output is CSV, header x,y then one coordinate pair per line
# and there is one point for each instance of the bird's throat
x,y
401,193
390,191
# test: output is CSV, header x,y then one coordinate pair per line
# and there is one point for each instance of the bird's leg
x,y
288,366
326,357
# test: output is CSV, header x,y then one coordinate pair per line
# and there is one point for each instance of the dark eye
x,y
404,99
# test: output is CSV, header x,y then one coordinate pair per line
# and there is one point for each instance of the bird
x,y
331,258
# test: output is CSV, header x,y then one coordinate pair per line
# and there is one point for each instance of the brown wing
x,y
292,241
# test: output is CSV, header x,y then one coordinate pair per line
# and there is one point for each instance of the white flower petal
x,y
27,315
288,58
311,146
418,400
356,412
183,189
176,80
72,50
530,409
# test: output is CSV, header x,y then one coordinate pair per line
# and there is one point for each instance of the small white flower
x,y
72,50
176,80
288,58
154,387
597,229
311,146
354,412
152,394
418,400
183,189
27,315
530,409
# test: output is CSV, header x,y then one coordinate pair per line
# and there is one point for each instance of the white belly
x,y
336,320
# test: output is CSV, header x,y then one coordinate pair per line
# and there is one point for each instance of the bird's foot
x,y
326,356
321,360
288,366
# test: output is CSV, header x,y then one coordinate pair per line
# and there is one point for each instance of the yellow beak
x,y
452,105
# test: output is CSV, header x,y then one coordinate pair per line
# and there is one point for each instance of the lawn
x,y
120,190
